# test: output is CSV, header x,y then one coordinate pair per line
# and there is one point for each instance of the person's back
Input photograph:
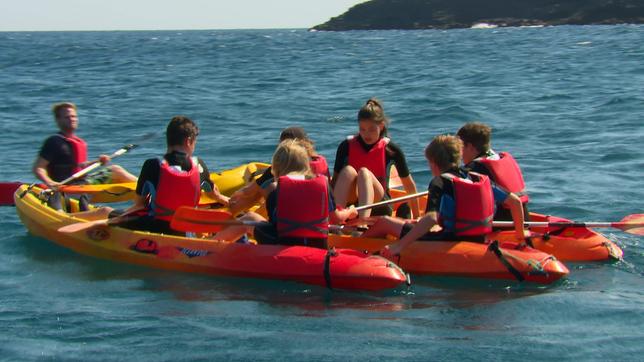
x,y
502,168
176,180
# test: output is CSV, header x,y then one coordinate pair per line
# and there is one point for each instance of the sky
x,y
54,15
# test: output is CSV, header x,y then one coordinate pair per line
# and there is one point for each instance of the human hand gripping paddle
x,y
7,189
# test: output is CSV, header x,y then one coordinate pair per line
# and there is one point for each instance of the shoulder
x,y
151,163
393,147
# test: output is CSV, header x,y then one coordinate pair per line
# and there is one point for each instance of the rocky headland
x,y
449,14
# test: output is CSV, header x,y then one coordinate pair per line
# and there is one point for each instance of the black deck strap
x,y
327,270
494,247
24,193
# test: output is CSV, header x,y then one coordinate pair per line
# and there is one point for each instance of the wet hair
x,y
445,152
290,156
373,111
180,129
58,107
298,133
477,134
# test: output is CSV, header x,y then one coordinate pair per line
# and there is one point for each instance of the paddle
x,y
96,163
632,224
7,189
84,225
188,218
208,221
392,201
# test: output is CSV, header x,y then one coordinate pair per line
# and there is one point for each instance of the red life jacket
x,y
506,173
79,150
319,166
302,207
176,188
474,205
374,159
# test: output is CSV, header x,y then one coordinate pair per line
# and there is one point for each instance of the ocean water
x,y
567,101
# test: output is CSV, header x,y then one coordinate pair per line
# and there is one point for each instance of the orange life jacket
x,y
176,188
319,166
302,207
374,160
79,150
506,174
473,206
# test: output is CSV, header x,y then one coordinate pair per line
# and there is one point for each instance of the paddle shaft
x,y
504,224
95,164
392,201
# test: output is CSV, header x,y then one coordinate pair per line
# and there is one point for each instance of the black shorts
x,y
266,234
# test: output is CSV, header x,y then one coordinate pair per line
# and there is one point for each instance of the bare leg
x,y
369,190
344,191
233,233
386,225
119,174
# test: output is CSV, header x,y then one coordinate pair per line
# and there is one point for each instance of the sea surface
x,y
567,101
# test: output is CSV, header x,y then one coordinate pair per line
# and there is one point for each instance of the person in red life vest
x,y
502,168
251,194
363,161
460,205
64,153
173,181
299,203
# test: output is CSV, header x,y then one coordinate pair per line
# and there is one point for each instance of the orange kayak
x,y
340,269
576,244
491,260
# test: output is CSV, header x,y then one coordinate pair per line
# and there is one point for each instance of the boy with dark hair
x,y
502,168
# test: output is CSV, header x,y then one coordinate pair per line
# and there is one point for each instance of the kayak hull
x,y
467,259
344,269
574,244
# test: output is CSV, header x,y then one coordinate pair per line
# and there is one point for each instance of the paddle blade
x,y
200,220
7,189
79,226
632,224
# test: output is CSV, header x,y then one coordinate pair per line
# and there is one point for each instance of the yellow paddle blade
x,y
201,220
79,226
632,224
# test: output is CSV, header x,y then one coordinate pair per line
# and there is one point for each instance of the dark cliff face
x,y
446,14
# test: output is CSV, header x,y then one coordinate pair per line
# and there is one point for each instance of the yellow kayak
x,y
339,269
228,181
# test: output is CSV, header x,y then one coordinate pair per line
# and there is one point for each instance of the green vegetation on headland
x,y
448,14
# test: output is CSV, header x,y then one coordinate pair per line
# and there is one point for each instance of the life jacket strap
x,y
294,225
494,247
327,267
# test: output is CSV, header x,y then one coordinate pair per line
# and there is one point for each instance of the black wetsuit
x,y
150,175
60,155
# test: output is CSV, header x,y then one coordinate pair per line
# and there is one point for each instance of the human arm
x,y
516,208
40,171
341,160
410,188
423,225
338,216
250,194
